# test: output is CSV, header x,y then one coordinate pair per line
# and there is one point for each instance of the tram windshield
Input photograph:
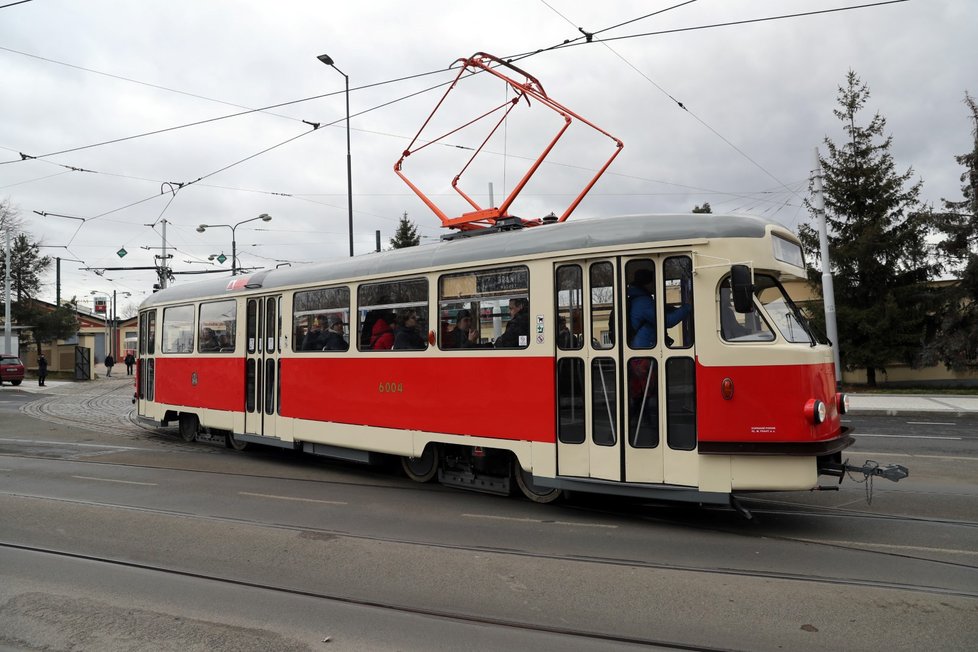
x,y
779,310
787,317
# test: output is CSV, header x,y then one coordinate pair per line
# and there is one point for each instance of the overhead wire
x,y
589,38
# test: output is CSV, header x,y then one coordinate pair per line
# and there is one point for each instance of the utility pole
x,y
6,297
828,290
162,271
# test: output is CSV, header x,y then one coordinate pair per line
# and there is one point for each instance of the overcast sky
x,y
759,96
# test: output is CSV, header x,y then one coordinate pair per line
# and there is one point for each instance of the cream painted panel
x,y
715,473
780,473
682,468
573,459
643,464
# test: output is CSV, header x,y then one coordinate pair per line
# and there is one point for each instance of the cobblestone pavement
x,y
104,405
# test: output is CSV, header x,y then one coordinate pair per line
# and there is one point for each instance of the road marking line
x,y
930,423
85,477
866,434
302,500
541,521
915,455
893,546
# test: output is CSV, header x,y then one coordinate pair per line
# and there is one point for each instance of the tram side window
x,y
602,278
393,315
178,330
484,308
677,289
216,326
640,316
740,327
570,308
147,332
321,320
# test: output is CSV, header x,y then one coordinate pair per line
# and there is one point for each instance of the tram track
x,y
628,514
458,617
509,551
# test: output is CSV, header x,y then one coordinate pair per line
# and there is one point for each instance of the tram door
x,y
626,397
263,330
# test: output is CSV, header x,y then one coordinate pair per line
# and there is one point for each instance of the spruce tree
x,y
877,245
406,234
955,342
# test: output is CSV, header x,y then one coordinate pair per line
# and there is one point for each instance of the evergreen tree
x,y
49,325
406,234
955,342
876,234
26,267
705,208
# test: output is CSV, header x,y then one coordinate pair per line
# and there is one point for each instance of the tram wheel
x,y
524,481
230,441
424,468
189,426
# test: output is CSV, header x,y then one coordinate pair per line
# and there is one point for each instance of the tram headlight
x,y
843,403
815,411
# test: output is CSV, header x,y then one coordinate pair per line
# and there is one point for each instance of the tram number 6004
x,y
388,388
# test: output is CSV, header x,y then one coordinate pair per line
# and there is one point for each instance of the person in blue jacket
x,y
641,311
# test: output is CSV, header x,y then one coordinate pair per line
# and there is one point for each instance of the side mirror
x,y
743,288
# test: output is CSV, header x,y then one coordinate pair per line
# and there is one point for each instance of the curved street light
x,y
328,60
264,217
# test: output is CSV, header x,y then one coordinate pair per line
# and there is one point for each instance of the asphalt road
x,y
118,538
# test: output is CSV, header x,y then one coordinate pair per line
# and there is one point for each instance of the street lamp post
x,y
325,58
264,217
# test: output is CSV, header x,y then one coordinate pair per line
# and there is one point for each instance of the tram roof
x,y
547,239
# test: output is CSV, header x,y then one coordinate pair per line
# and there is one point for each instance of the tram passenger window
x,y
395,311
640,315
681,403
677,288
740,327
484,308
643,402
251,325
147,332
602,277
571,406
570,307
321,320
178,330
216,326
604,402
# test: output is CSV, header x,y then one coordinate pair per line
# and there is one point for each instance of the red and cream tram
x,y
527,369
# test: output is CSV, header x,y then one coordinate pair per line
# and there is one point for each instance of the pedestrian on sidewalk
x,y
42,369
109,361
130,360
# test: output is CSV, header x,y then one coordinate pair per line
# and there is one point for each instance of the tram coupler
x,y
892,472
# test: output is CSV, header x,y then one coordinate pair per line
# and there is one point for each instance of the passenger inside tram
x,y
407,335
334,339
209,341
462,336
315,338
641,311
517,331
